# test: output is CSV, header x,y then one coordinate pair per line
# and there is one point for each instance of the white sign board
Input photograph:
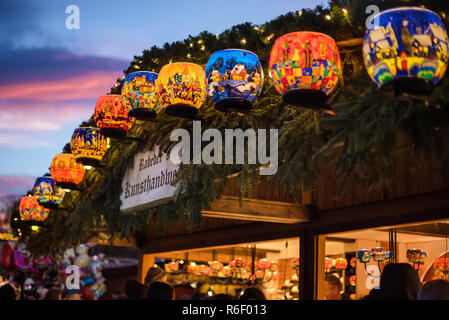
x,y
147,181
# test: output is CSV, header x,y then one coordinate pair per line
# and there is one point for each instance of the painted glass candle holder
x,y
407,48
88,146
378,254
111,116
305,68
364,255
234,79
328,263
341,263
66,172
139,95
181,88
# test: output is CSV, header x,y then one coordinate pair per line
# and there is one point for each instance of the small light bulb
x,y
67,190
87,167
203,48
191,45
328,17
188,55
15,219
210,293
300,13
243,41
345,11
34,228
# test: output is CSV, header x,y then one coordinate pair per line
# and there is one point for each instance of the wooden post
x,y
145,262
306,265
320,274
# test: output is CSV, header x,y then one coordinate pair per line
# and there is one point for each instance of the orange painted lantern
x,y
111,116
341,263
181,88
66,172
30,210
328,263
264,264
216,265
305,68
88,146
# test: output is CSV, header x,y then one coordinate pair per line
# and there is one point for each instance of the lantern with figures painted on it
x,y
139,95
111,116
47,193
305,68
234,79
364,255
88,146
181,88
66,172
407,48
30,210
378,254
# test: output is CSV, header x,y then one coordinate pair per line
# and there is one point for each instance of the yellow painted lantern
x,y
88,146
181,88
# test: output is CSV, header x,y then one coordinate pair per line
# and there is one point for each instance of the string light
x,y
328,17
87,167
200,41
216,36
300,13
345,11
243,41
35,228
188,55
203,48
191,45
256,28
171,60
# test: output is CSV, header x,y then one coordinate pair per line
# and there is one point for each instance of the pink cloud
x,y
89,85
12,185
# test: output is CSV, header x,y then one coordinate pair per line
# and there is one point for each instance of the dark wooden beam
x,y
418,208
257,210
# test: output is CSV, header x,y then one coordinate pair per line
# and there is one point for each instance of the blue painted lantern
x,y
234,79
88,146
364,255
408,48
47,193
139,95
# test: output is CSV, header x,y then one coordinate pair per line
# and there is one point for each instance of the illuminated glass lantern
x,y
47,193
30,210
234,79
408,49
88,146
341,263
305,68
181,88
328,263
364,255
66,172
378,254
139,95
111,116
43,189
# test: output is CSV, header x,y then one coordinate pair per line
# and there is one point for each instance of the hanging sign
x,y
147,181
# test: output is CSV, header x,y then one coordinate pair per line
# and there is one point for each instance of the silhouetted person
x,y
373,295
399,281
333,288
160,291
7,292
252,293
134,290
53,294
155,273
220,296
434,290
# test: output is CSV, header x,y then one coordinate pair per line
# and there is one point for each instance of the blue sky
x,y
51,77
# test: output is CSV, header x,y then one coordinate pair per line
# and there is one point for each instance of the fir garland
x,y
360,140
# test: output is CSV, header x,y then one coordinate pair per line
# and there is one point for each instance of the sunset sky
x,y
51,77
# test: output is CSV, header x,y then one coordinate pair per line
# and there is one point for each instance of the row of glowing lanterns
x,y
408,50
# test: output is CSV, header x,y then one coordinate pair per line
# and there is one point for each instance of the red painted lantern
x,y
240,262
111,116
305,68
275,275
264,264
30,210
172,266
66,172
